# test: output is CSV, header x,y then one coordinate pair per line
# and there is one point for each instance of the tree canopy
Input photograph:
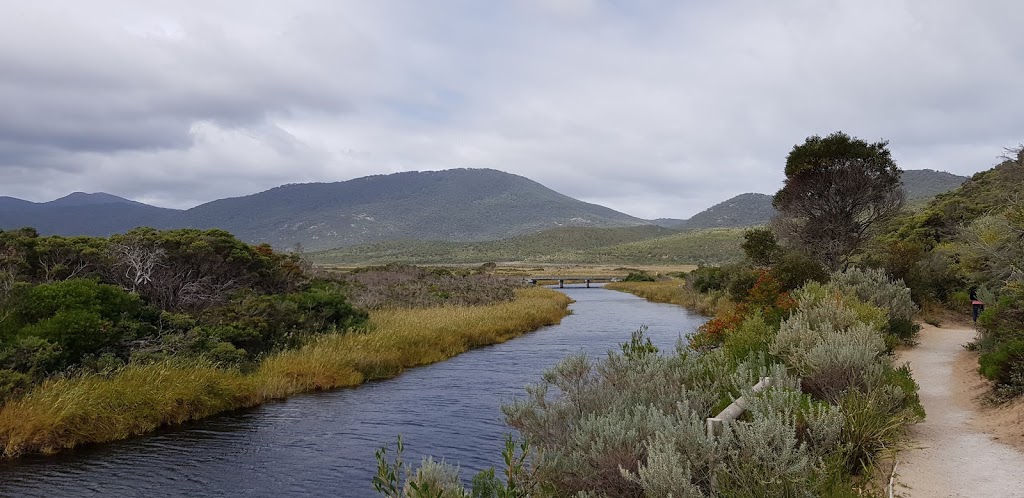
x,y
837,189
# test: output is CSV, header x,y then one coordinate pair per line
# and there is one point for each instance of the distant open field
x,y
613,247
563,270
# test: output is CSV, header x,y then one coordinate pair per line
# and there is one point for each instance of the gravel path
x,y
951,456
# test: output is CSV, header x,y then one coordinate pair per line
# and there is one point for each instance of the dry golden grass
x,y
66,412
672,292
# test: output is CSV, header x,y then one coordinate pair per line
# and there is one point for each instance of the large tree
x,y
837,189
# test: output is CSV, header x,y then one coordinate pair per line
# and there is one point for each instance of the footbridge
x,y
562,280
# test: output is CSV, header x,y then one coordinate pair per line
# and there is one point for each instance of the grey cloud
x,y
655,108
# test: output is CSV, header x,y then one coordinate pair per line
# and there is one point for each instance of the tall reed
x,y
673,292
69,411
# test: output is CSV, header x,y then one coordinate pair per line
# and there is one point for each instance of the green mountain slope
x,y
744,210
451,205
751,209
984,193
926,183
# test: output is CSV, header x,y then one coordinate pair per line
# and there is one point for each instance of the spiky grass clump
x,y
68,411
673,292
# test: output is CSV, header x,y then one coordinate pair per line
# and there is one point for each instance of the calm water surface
x,y
323,444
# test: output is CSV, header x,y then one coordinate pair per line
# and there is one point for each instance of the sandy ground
x,y
962,449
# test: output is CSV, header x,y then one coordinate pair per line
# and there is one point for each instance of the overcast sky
x,y
655,108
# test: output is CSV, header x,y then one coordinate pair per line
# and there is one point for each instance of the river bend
x,y
322,444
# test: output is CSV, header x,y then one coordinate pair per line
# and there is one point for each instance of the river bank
x,y
67,412
322,443
673,292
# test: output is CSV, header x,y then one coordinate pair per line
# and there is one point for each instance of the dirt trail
x,y
951,454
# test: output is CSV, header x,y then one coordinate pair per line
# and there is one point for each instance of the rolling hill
x,y
451,205
923,184
412,215
744,210
751,209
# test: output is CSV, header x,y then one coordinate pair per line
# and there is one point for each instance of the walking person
x,y
977,306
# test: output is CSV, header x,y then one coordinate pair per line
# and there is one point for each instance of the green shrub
x,y
998,364
708,278
435,480
794,269
761,246
639,276
741,282
874,286
31,355
833,351
903,330
77,317
12,384
874,423
753,335
261,323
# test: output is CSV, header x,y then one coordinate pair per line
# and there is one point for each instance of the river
x,y
322,444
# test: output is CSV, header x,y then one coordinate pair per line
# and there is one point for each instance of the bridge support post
x,y
561,284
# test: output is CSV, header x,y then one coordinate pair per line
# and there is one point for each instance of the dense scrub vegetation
x,y
97,304
406,286
796,310
65,411
970,238
633,423
104,338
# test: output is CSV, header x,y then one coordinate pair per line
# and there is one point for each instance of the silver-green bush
x,y
874,286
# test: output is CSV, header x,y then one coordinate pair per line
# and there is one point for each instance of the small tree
x,y
837,189
761,246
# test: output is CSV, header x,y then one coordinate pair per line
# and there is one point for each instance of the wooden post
x,y
734,410
714,427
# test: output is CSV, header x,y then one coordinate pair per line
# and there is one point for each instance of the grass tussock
x,y
673,292
69,411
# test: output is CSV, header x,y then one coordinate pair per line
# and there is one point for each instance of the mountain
x,y
450,205
744,210
755,209
922,184
79,199
460,205
14,203
98,214
987,192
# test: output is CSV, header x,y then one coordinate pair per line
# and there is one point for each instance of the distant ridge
x,y
78,199
450,205
922,184
458,205
756,209
79,213
744,210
